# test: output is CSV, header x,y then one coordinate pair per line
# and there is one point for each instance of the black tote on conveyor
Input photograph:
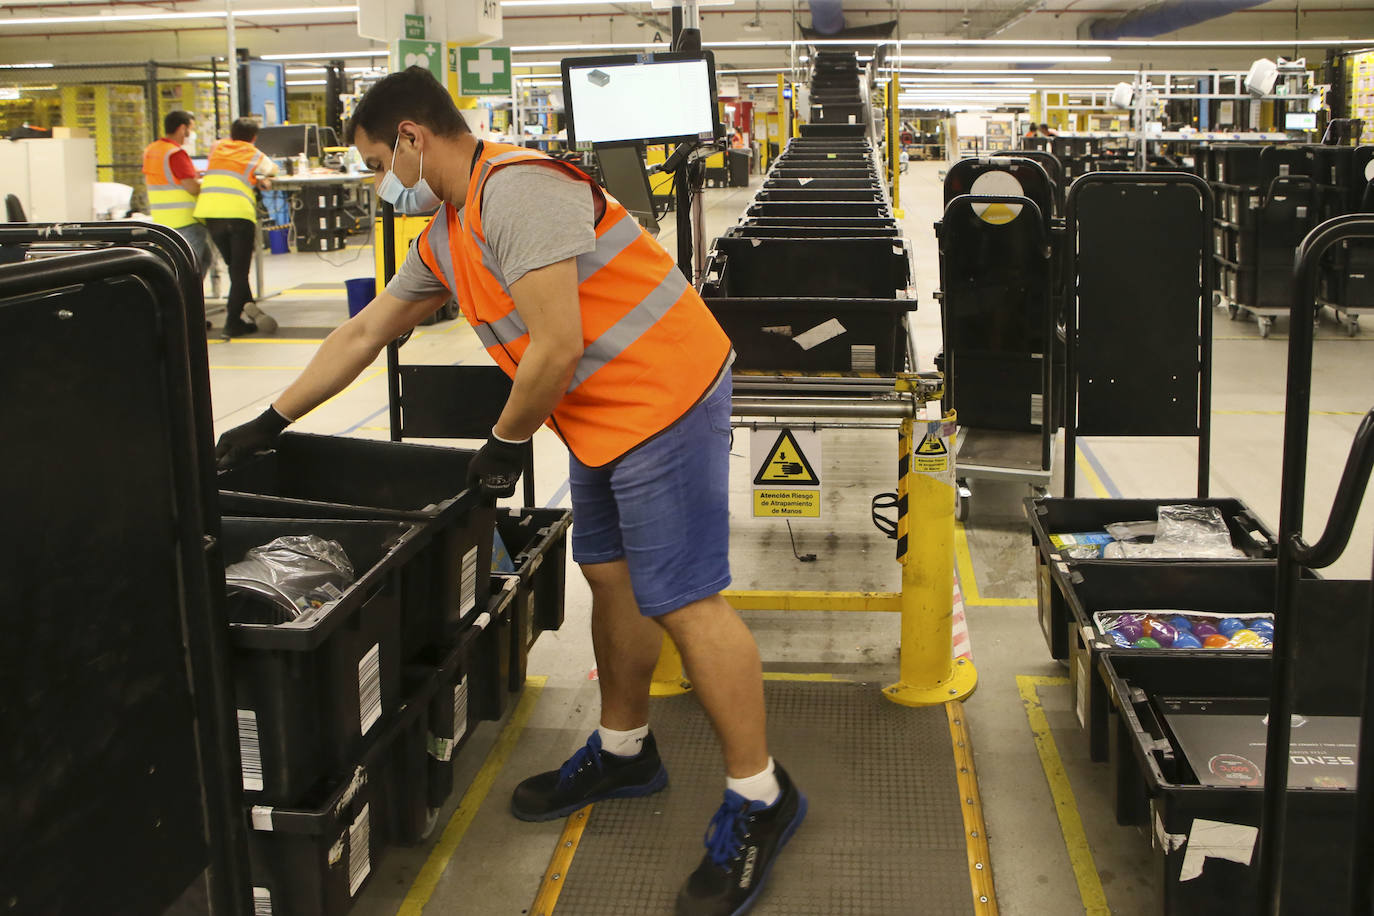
x,y
121,764
1318,838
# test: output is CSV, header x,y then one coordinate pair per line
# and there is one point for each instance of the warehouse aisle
x,y
1055,845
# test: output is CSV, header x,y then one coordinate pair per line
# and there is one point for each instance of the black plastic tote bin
x,y
815,335
490,654
821,184
822,208
310,476
314,857
856,267
312,696
1221,588
450,720
1158,789
787,195
1049,515
537,540
784,172
809,232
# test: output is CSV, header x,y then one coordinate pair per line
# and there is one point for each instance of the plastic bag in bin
x,y
1185,630
286,580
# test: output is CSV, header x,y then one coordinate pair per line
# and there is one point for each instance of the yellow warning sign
x,y
787,504
932,456
786,464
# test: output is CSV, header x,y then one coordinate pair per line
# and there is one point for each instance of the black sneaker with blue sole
x,y
591,775
742,844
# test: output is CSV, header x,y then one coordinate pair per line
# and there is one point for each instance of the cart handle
x,y
1346,505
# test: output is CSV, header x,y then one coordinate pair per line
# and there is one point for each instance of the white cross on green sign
x,y
483,71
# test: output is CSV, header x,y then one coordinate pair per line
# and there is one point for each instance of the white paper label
x,y
261,816
262,902
359,852
1037,409
460,709
468,590
250,751
370,688
820,334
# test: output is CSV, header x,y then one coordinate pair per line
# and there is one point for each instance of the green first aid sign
x,y
427,54
484,71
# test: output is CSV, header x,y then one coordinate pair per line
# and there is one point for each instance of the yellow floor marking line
x,y
1090,475
818,678
556,876
975,830
1075,839
458,824
968,582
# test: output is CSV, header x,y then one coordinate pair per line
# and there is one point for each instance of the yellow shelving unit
x,y
117,118
1362,88
38,110
305,108
197,97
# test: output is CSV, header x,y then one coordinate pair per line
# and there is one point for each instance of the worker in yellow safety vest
x,y
173,184
229,207
609,345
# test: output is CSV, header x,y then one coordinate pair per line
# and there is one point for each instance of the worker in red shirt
x,y
173,185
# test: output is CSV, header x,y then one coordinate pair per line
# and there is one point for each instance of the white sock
x,y
761,786
623,744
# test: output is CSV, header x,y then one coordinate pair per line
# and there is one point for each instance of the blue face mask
x,y
417,200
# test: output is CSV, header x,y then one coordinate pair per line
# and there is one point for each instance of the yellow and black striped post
x,y
925,548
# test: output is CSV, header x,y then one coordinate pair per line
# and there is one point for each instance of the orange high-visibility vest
x,y
651,347
173,206
227,189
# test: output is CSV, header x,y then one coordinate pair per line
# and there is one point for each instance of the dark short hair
x,y
1044,127
244,129
410,95
175,120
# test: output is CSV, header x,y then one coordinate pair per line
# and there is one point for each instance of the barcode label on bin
x,y
460,709
262,902
250,751
1037,409
468,592
370,688
359,853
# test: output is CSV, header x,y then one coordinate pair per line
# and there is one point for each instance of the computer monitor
x,y
282,142
654,98
1300,120
623,175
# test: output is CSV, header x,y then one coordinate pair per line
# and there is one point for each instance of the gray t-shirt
x,y
533,216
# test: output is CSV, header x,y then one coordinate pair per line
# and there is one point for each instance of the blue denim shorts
x,y
664,507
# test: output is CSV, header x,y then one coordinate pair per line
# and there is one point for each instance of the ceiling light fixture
x,y
176,17
328,55
1002,59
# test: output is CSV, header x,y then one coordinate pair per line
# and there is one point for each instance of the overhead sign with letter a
x,y
786,481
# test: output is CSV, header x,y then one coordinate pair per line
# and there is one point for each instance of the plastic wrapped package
x,y
1163,629
1182,532
287,580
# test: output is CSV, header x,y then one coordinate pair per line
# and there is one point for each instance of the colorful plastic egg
x,y
1120,640
1246,639
1204,629
1146,642
1229,626
1131,629
1162,633
1181,623
1216,641
1263,627
1187,641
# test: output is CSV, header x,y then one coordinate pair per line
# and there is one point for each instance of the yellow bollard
x,y
894,145
669,678
925,548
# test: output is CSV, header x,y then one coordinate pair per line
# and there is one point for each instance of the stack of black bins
x,y
835,94
1117,690
814,277
350,721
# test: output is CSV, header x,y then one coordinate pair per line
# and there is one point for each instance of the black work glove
x,y
243,442
496,467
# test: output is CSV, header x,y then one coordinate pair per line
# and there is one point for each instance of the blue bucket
x,y
360,292
276,241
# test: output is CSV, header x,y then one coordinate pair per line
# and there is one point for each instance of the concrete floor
x,y
495,865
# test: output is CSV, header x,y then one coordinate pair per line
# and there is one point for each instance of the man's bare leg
x,y
722,660
626,644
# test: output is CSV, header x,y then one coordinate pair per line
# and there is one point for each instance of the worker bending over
x,y
610,346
